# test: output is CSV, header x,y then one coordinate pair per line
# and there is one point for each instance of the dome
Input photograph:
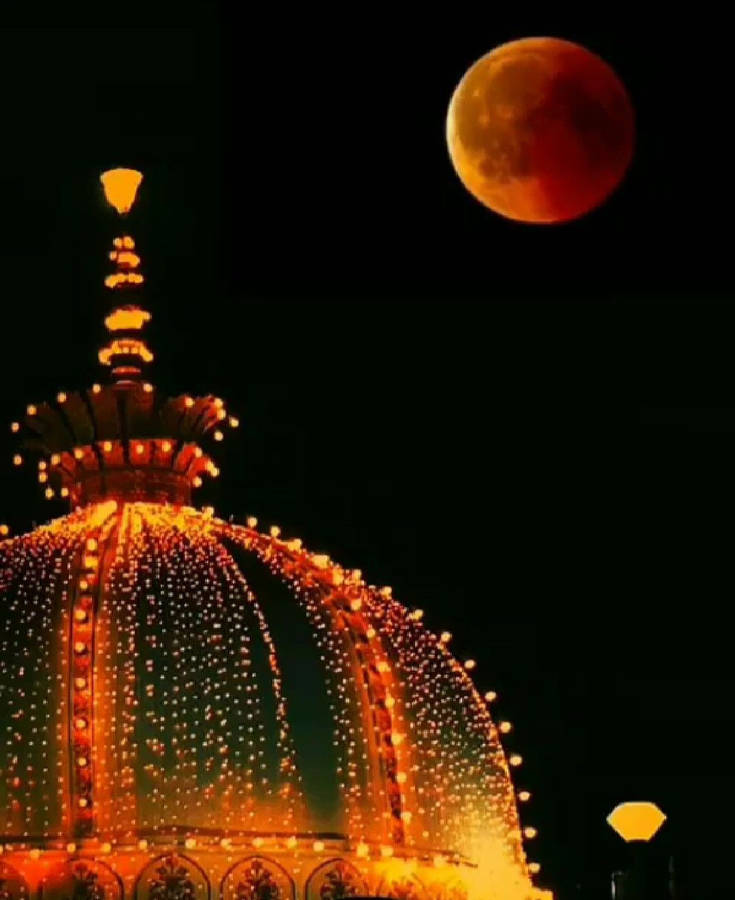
x,y
193,708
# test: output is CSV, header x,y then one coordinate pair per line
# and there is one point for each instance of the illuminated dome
x,y
193,708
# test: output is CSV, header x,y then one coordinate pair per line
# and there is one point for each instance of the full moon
x,y
540,130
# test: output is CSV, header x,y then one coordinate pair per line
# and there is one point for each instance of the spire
x,y
126,353
123,441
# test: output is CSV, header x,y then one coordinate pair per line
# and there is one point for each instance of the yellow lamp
x,y
636,821
121,187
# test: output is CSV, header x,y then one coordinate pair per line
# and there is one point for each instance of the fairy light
x,y
145,693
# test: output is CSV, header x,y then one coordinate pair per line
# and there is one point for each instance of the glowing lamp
x,y
318,846
80,724
71,848
505,727
196,481
234,422
516,759
469,664
530,832
190,843
291,842
386,851
257,842
362,850
80,647
445,637
120,187
15,427
106,847
534,868
188,402
490,696
82,762
275,531
218,436
17,460
4,530
96,388
355,605
55,459
148,388
78,453
166,446
637,821
31,410
49,493
252,522
80,615
107,446
143,845
83,802
35,853
91,545
524,796
61,397
80,683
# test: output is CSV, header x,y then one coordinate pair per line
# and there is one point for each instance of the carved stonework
x,y
171,881
256,882
335,879
341,880
257,878
86,884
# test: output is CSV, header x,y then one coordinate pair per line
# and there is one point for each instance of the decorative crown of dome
x,y
123,440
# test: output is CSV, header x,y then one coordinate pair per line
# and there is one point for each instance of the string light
x,y
143,687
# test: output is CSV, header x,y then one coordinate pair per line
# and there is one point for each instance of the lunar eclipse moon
x,y
540,130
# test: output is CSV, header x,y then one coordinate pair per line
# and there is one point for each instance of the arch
x,y
336,878
81,879
257,877
13,885
176,877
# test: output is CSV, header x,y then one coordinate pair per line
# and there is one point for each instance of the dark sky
x,y
527,431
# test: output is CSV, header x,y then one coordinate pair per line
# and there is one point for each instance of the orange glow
x,y
121,187
490,696
15,427
505,727
117,278
124,347
515,759
636,821
529,832
524,796
17,460
127,319
61,397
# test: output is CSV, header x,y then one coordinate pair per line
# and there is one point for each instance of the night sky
x,y
526,431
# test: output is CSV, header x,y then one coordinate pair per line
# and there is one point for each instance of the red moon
x,y
540,130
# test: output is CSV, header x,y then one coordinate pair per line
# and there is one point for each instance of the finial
x,y
126,353
121,187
